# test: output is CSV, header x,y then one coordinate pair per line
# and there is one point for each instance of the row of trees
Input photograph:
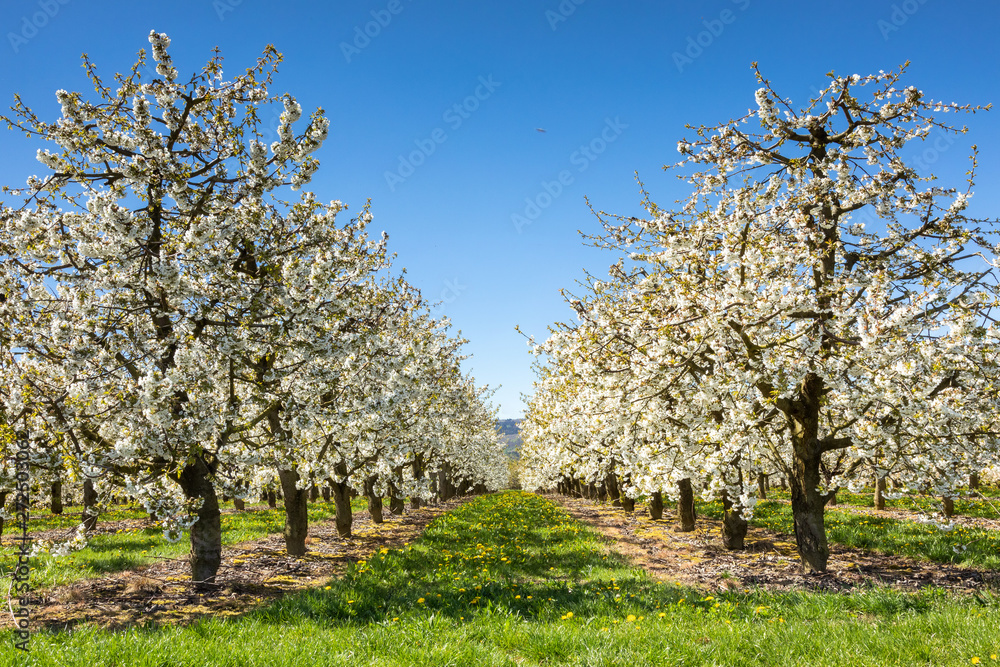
x,y
815,309
176,323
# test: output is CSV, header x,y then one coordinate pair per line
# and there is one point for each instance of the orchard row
x,y
815,310
180,321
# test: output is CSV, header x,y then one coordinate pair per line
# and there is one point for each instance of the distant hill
x,y
510,432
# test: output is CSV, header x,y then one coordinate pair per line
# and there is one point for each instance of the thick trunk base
x,y
880,493
206,533
57,503
810,531
734,526
614,495
89,506
342,502
296,513
948,506
374,502
656,506
685,506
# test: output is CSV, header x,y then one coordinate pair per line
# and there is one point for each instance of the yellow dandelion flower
x,y
420,600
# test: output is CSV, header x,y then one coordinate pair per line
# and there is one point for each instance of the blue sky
x,y
612,83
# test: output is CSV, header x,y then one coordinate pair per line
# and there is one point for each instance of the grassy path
x,y
511,579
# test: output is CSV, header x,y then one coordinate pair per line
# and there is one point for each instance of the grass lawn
x,y
982,503
969,547
511,579
134,547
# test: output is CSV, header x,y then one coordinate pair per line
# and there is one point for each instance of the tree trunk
x,y
762,486
807,453
685,506
734,526
374,501
57,504
313,492
833,498
974,481
239,505
396,503
446,490
296,513
206,533
272,499
342,502
880,492
656,505
89,505
628,504
418,473
948,505
614,494
3,501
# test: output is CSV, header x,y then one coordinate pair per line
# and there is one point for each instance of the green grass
x,y
510,579
983,504
970,547
129,549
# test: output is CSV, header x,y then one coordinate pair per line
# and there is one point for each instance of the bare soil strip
x,y
769,562
252,574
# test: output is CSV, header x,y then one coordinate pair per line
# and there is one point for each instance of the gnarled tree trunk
x,y
57,504
342,502
734,526
948,505
685,506
89,505
880,492
296,513
374,501
614,493
396,503
418,473
206,533
656,505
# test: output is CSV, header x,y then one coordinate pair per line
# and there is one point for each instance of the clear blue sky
x,y
594,73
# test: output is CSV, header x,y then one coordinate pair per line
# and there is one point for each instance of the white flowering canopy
x,y
163,307
816,307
